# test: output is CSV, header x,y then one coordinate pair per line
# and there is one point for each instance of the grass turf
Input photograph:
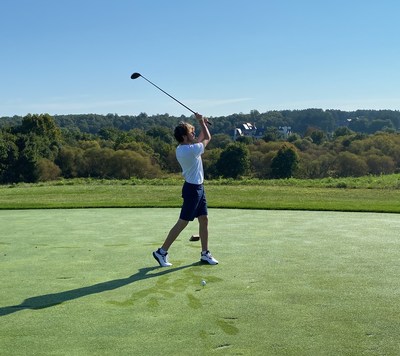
x,y
218,196
83,282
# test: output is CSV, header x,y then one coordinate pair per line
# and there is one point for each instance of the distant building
x,y
250,130
247,130
286,131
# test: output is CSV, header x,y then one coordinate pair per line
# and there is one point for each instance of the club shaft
x,y
168,94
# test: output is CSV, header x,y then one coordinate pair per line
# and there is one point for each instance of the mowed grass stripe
x,y
219,196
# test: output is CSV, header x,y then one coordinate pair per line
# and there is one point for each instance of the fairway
x,y
84,282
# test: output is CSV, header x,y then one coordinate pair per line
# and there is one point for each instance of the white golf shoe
x,y
162,259
206,257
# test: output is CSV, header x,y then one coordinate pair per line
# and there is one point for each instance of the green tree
x,y
41,125
162,133
48,134
70,161
272,134
359,125
96,162
38,137
342,131
348,164
31,149
162,153
380,125
234,161
379,164
126,164
261,163
109,133
8,157
210,159
47,170
285,162
219,141
317,136
293,137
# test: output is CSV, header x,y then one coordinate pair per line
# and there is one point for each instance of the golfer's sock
x,y
204,252
162,251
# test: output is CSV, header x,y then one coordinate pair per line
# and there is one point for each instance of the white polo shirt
x,y
189,157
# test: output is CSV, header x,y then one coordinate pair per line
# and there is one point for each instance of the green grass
x,y
373,194
83,282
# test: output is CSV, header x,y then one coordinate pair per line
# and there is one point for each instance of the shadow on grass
x,y
50,300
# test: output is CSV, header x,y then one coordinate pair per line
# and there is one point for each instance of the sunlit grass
x,y
377,194
84,282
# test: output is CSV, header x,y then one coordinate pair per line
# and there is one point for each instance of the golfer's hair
x,y
183,129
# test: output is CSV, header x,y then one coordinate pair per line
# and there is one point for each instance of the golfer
x,y
188,154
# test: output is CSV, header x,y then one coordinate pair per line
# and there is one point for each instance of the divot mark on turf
x,y
39,245
153,303
194,302
67,247
167,286
227,327
223,346
203,334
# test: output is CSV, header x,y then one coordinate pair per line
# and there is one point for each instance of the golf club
x,y
137,75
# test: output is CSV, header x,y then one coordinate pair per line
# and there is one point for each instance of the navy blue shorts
x,y
194,202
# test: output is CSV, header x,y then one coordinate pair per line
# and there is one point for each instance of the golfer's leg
x,y
174,233
203,231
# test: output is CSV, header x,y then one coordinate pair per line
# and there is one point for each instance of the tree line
x,y
323,144
363,121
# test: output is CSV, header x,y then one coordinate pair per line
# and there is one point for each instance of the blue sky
x,y
219,57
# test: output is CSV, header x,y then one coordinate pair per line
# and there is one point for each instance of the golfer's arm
x,y
205,135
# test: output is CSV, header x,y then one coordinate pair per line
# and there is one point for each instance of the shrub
x,y
47,170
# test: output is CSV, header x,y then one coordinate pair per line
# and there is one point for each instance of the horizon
x,y
188,116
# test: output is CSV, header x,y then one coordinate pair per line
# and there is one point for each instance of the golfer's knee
x,y
203,219
182,223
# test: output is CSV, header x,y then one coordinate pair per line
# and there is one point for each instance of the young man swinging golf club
x,y
188,154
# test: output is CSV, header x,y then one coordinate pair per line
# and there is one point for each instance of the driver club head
x,y
135,75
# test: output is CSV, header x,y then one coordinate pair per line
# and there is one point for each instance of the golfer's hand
x,y
201,118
